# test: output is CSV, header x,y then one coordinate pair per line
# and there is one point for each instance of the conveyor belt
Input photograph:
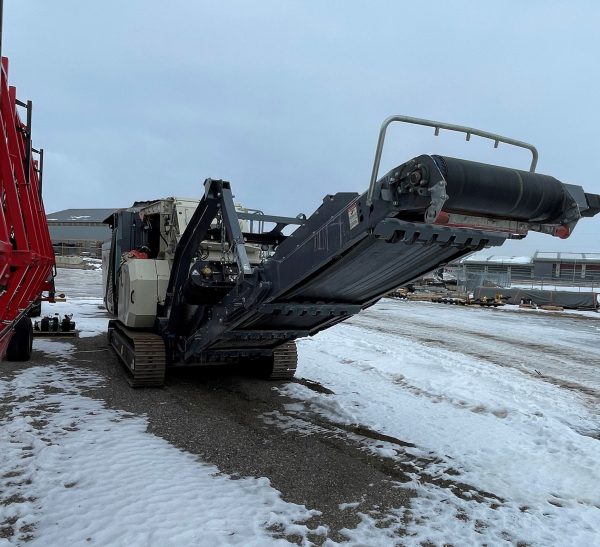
x,y
349,253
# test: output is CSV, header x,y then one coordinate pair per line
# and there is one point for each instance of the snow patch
x,y
498,406
76,473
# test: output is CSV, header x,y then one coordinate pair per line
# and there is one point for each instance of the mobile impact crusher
x,y
202,282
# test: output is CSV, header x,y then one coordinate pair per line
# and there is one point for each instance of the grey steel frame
x,y
440,125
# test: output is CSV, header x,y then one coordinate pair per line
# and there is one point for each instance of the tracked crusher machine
x,y
194,282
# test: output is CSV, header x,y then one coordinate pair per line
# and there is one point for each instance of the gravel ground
x,y
220,416
432,375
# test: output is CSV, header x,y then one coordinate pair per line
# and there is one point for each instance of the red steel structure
x,y
26,257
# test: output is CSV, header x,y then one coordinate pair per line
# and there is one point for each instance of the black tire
x,y
21,343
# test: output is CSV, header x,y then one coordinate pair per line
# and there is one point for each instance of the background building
x,y
77,232
543,268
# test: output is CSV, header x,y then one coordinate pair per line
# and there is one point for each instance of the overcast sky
x,y
144,99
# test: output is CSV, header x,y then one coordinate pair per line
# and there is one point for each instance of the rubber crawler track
x,y
142,353
285,361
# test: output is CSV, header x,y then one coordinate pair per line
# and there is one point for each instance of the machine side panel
x,y
138,293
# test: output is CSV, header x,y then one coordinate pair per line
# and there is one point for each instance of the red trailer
x,y
26,256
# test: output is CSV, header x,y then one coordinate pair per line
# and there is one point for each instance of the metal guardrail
x,y
441,125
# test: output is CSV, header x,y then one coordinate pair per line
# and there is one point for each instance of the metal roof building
x,y
576,268
569,269
79,231
589,258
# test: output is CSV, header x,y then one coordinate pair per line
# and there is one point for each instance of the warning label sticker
x,y
353,215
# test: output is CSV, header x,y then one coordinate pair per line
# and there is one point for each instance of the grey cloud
x,y
141,99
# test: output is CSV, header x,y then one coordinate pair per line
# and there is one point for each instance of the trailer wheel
x,y
21,343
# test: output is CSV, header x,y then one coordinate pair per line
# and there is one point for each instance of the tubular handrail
x,y
441,125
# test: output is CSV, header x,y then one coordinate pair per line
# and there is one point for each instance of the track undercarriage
x,y
142,353
144,356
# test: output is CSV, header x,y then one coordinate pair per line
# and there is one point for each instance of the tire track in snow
x,y
494,349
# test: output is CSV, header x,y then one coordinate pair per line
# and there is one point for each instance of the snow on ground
x,y
66,476
589,314
93,263
497,414
505,405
